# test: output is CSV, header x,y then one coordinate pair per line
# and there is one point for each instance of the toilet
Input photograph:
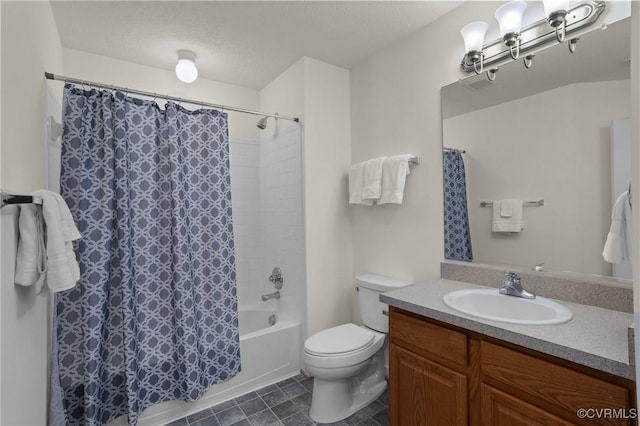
x,y
349,363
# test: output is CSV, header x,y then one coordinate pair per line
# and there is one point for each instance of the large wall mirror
x,y
556,136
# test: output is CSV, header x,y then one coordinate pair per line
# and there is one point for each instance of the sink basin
x,y
491,305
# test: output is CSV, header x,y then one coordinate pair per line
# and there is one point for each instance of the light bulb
x,y
473,35
509,17
186,69
551,6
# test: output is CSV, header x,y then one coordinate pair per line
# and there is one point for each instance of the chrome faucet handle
x,y
276,278
511,286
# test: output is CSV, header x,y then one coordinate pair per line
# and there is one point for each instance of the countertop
x,y
595,337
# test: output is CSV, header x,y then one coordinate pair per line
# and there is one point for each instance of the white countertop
x,y
595,337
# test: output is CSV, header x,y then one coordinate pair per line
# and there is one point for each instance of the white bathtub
x,y
268,353
255,322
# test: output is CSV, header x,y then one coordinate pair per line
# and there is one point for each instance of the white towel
x,y
373,179
618,248
30,260
394,175
63,271
356,185
507,216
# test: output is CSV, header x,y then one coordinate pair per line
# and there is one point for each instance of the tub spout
x,y
275,295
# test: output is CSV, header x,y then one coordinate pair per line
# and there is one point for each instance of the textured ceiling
x,y
247,43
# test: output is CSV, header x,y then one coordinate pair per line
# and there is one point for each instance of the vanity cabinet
x,y
443,375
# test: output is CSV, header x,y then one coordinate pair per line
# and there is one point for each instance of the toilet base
x,y
329,407
335,400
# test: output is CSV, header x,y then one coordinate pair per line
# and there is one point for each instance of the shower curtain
x,y
154,316
457,237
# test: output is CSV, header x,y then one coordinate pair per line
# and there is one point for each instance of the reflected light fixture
x,y
509,17
186,69
556,12
473,35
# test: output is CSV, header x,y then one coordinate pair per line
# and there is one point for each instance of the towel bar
x,y
536,203
9,198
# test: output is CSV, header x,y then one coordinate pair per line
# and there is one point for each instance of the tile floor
x,y
283,403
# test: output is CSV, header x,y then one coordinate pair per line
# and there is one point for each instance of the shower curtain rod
x,y
50,76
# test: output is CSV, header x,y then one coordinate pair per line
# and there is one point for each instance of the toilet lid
x,y
338,340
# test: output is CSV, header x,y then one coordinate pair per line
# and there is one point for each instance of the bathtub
x,y
255,322
268,354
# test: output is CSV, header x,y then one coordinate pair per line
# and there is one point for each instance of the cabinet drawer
x,y
548,383
448,344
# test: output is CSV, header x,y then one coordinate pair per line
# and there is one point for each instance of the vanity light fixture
x,y
473,35
563,18
556,11
186,69
509,17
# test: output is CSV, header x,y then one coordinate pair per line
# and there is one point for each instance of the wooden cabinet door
x,y
501,409
424,393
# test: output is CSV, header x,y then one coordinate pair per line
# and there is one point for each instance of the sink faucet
x,y
275,295
511,286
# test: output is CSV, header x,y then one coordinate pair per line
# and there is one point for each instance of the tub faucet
x,y
511,286
275,295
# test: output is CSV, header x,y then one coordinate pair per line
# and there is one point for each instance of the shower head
x,y
262,123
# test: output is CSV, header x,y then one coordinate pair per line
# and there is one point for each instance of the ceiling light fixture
x,y
186,69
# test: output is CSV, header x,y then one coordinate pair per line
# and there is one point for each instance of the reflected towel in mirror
x,y
507,216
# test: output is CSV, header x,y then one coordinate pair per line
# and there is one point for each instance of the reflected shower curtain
x,y
457,237
154,316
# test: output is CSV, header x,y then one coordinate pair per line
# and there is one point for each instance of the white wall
x,y
395,108
281,221
30,46
244,160
319,94
568,167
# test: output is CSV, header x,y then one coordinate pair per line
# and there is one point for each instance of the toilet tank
x,y
371,309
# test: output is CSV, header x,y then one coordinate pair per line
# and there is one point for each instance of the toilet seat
x,y
338,341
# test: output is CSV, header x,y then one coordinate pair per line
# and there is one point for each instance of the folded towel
x,y
510,223
506,208
618,248
394,175
30,260
356,185
63,271
373,179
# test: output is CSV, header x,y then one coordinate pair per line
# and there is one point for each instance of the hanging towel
x,y
373,179
617,248
62,270
30,260
507,216
356,185
394,175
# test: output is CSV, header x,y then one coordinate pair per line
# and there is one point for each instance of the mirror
x,y
556,136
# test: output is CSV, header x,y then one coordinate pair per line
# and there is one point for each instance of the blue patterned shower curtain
x,y
457,237
154,316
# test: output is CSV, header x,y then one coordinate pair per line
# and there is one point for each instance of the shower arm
x,y
51,76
